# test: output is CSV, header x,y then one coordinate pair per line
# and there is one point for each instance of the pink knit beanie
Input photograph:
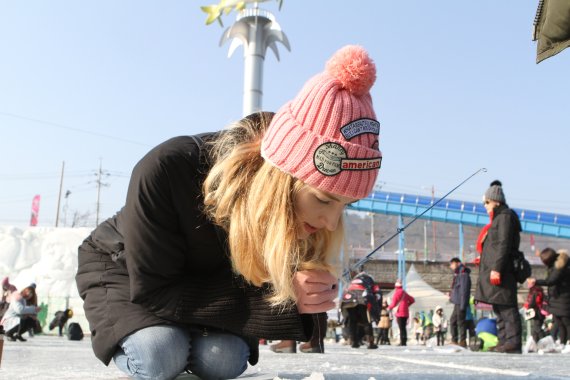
x,y
327,136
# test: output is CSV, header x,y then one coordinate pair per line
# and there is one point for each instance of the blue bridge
x,y
457,212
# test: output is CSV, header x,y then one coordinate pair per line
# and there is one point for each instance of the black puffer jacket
x,y
179,271
501,242
558,282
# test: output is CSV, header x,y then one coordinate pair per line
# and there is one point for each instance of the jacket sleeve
x,y
552,28
21,309
503,245
555,277
395,300
464,290
155,253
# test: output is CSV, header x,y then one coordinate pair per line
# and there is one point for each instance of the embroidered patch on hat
x,y
360,127
330,159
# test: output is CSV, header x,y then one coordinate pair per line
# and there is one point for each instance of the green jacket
x,y
489,340
551,28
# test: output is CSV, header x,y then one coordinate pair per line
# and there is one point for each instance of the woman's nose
x,y
332,218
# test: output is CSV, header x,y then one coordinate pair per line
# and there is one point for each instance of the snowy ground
x,y
50,357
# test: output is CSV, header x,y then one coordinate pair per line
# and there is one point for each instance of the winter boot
x,y
371,344
284,347
509,348
354,343
10,334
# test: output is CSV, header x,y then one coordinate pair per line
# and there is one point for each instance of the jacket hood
x,y
438,307
562,259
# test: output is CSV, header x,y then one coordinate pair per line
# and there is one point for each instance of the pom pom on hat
x,y
353,68
327,136
496,183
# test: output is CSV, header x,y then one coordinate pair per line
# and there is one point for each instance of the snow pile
x,y
46,256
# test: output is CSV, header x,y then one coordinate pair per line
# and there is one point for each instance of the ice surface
x,y
50,357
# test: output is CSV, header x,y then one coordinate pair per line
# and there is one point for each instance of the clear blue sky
x,y
458,89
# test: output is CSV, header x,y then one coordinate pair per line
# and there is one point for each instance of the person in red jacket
x,y
401,301
533,307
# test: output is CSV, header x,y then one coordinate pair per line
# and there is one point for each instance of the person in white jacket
x,y
20,317
439,325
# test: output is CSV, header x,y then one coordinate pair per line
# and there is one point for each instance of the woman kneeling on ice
x,y
233,236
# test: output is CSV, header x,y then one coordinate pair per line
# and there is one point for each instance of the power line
x,y
74,129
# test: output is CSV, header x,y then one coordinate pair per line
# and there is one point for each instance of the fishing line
x,y
399,230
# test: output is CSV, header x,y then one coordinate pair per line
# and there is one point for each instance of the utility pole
x,y
433,225
99,174
425,243
59,197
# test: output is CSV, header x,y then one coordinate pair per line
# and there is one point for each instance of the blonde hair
x,y
254,202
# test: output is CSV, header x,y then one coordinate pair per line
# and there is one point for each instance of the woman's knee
x,y
218,356
158,352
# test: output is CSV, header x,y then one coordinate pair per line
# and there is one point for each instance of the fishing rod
x,y
399,230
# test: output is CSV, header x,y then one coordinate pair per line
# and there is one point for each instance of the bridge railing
x,y
460,212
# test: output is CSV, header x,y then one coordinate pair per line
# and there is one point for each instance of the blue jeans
x,y
163,352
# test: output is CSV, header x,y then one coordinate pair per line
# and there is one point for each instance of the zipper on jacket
x,y
537,20
204,331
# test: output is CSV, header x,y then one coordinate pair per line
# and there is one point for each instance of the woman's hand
x,y
315,290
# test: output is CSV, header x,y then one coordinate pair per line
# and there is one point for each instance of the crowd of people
x,y
370,318
20,309
20,313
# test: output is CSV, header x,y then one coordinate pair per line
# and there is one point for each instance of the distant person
x,y
361,305
497,285
384,325
533,309
558,282
33,301
428,326
20,317
418,326
60,319
439,325
401,301
459,297
470,317
231,236
7,290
